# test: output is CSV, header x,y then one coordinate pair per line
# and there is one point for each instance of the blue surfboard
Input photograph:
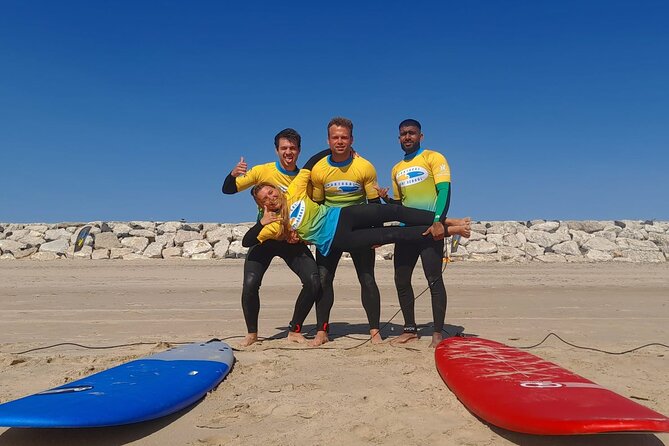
x,y
140,390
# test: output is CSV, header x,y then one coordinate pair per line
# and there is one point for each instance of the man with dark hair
x,y
296,255
341,179
421,180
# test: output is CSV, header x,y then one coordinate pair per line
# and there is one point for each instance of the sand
x,y
284,394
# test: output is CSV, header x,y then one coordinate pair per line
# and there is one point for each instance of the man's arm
x,y
443,201
230,185
251,236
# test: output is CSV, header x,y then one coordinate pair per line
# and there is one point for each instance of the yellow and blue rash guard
x,y
271,173
345,183
419,178
314,223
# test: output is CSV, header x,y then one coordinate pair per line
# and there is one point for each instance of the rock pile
x,y
536,240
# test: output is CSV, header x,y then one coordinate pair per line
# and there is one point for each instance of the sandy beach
x,y
348,392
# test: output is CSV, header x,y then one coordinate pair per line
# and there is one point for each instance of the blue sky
x,y
138,110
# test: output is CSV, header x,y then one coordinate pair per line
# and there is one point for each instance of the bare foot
x,y
375,336
458,221
436,339
320,339
464,231
296,337
404,338
249,339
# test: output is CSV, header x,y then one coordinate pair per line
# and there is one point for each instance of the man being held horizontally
x,y
296,255
421,180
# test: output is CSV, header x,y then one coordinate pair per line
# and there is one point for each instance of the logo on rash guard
x,y
342,187
297,214
411,175
282,188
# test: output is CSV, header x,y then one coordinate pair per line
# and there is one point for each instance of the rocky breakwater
x,y
567,241
123,240
536,240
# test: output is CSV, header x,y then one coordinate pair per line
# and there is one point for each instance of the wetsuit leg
x,y
432,259
257,261
404,259
327,265
361,225
364,259
300,260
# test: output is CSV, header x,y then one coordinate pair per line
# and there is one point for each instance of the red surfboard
x,y
520,392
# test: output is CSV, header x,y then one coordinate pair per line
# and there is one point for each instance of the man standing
x,y
342,179
422,180
296,255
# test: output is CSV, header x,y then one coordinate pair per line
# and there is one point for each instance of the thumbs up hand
x,y
240,168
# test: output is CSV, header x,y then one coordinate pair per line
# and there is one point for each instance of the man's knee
x,y
326,277
367,281
251,282
402,280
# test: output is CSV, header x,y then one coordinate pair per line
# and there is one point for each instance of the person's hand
x,y
240,168
437,231
292,237
269,216
382,191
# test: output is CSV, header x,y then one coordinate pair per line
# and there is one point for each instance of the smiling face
x,y
410,138
268,196
287,151
340,141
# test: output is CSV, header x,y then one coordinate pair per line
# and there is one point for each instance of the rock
x,y
38,228
236,250
575,259
505,227
547,226
44,256
474,237
643,256
167,239
588,226
106,240
607,234
661,240
600,244
494,238
598,256
18,234
55,234
533,250
154,250
221,249
143,225
637,234
217,234
100,254
543,239
133,256
22,253
170,226
186,236
461,253
637,245
514,240
510,253
7,256
481,228
119,253
143,233
84,253
59,246
240,230
195,247
657,228
11,245
206,227
171,252
121,229
386,252
138,244
481,247
484,257
567,248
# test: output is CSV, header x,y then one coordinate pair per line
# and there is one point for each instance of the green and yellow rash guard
x,y
418,179
271,173
345,183
314,223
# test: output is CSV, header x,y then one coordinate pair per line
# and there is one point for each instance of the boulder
x,y
138,244
196,247
106,240
59,246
